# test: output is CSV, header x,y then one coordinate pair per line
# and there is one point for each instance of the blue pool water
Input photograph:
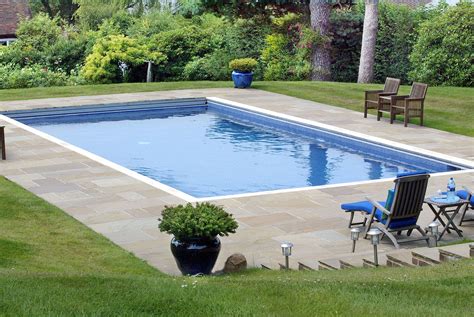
x,y
218,150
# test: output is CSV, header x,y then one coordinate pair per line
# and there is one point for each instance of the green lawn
x,y
50,264
447,108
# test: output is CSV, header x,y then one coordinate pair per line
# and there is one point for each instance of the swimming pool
x,y
206,148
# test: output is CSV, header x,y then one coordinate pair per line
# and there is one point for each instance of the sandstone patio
x,y
125,209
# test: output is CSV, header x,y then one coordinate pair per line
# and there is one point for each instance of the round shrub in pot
x,y
195,245
242,74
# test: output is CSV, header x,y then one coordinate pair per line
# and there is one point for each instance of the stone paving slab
x,y
125,209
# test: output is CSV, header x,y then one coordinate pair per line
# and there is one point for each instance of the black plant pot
x,y
196,255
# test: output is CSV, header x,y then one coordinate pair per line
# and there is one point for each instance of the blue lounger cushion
x,y
360,206
463,195
367,207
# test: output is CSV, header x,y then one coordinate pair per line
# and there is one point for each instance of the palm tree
x,y
320,11
369,37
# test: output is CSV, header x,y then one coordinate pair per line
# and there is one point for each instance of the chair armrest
x,y
372,94
387,93
378,206
415,99
399,97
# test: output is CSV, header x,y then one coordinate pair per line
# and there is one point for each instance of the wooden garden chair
x,y
372,96
410,106
401,214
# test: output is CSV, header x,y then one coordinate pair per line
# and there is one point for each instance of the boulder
x,y
235,263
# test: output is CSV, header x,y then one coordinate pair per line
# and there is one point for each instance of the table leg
x,y
438,217
451,220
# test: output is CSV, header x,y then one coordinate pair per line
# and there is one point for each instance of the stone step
x,y
403,258
294,265
422,256
346,265
345,261
270,265
425,256
330,264
455,252
368,262
355,259
305,267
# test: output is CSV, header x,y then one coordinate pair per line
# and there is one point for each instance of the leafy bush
x,y
13,76
67,52
243,64
102,65
92,13
228,41
197,69
214,66
34,38
47,42
156,22
245,38
180,46
283,64
39,32
204,220
395,39
286,55
346,34
444,50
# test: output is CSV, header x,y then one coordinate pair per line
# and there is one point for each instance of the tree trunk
x,y
369,37
149,75
320,11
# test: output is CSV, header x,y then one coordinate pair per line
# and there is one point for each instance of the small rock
x,y
235,263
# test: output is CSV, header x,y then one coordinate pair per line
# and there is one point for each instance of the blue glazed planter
x,y
242,80
195,256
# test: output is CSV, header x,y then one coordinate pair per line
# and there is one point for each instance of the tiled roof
x,y
10,13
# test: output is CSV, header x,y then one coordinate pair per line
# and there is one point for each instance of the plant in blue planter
x,y
242,74
195,245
